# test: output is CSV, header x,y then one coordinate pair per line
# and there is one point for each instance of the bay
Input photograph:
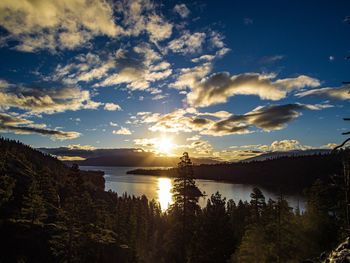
x,y
159,188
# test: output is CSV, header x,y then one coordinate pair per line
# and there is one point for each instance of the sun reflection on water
x,y
165,196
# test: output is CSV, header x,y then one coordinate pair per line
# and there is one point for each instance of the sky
x,y
225,79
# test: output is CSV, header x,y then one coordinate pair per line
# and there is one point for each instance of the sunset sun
x,y
165,145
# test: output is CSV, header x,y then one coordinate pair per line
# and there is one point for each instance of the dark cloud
x,y
341,93
38,100
19,125
268,118
219,87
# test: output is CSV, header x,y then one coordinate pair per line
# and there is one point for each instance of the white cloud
x,y
113,124
158,28
221,123
112,107
194,138
219,87
122,131
18,125
182,10
341,93
207,58
189,77
138,74
37,100
56,24
188,43
81,147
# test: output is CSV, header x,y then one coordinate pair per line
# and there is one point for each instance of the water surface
x,y
159,188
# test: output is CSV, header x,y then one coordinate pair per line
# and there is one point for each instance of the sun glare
x,y
165,145
165,197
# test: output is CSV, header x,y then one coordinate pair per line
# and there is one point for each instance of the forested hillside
x,y
52,213
291,172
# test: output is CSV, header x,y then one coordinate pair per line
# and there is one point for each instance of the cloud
x,y
287,145
189,77
188,43
141,67
18,125
70,158
266,118
122,131
219,87
38,100
159,97
238,153
113,124
207,58
54,25
194,138
81,147
271,59
69,24
282,145
341,93
330,145
112,107
217,39
182,10
158,28
84,68
4,84
146,142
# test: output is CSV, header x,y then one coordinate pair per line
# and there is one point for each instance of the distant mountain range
x,y
118,157
275,155
134,157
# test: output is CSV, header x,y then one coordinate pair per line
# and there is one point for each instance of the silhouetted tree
x,y
258,203
33,208
186,195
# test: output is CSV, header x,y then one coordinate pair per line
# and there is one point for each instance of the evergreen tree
x,y
33,206
258,203
185,207
214,240
7,184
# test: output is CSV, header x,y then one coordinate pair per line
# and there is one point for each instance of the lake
x,y
159,188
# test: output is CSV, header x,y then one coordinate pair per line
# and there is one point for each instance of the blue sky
x,y
223,79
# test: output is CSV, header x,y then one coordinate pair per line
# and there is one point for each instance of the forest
x,y
50,212
290,173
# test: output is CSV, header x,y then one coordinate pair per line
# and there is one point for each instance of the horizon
x,y
217,80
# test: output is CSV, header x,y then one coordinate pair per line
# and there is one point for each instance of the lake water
x,y
159,188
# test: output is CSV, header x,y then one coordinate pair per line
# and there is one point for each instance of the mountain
x,y
52,213
278,154
289,172
117,157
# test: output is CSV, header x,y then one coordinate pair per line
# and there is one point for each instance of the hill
x,y
50,212
292,153
117,157
289,172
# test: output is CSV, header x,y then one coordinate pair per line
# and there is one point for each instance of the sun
x,y
165,145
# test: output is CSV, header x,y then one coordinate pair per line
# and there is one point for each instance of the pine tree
x,y
258,203
7,184
186,195
33,206
215,240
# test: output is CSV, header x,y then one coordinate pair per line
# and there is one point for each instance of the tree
x,y
186,195
215,240
33,207
258,203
